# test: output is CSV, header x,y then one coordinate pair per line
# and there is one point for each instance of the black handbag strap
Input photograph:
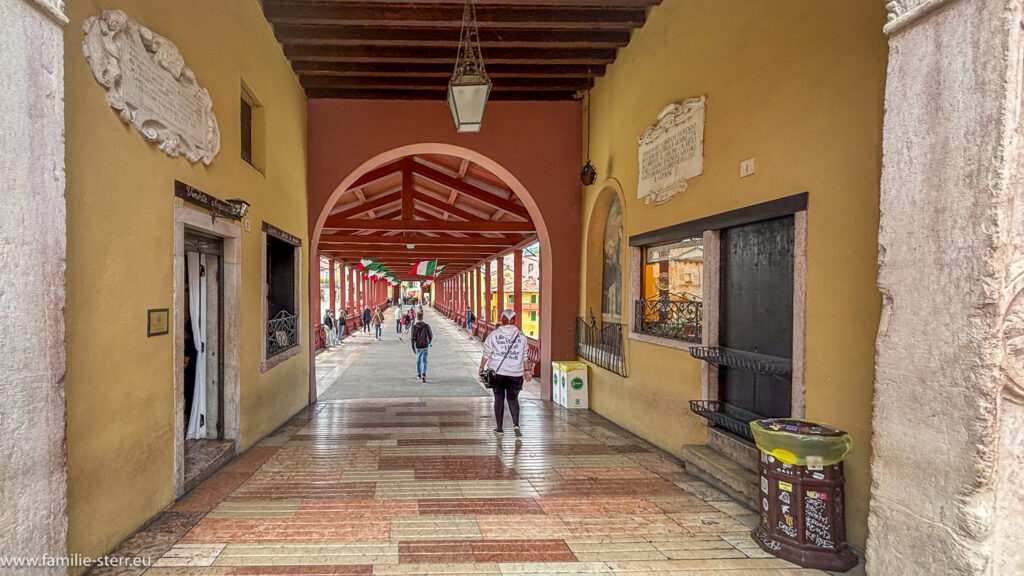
x,y
507,350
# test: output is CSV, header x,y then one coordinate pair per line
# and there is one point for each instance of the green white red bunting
x,y
364,262
424,268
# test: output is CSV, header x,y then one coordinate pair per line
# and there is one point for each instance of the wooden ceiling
x,y
406,50
425,207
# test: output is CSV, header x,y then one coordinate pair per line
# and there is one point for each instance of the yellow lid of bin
x,y
800,442
558,365
570,365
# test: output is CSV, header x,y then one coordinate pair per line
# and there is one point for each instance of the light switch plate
x,y
248,225
746,167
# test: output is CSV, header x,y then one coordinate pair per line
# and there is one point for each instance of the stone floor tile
x,y
449,527
303,554
190,555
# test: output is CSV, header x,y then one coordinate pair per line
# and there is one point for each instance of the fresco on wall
x,y
611,283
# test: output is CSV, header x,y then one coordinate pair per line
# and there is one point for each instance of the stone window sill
x,y
278,358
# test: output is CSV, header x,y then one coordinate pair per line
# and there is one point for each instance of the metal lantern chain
x,y
470,61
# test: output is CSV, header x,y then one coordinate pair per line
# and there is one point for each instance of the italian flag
x,y
424,268
437,272
364,262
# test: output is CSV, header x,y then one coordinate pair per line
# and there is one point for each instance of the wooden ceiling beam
x,y
440,95
323,53
470,190
375,239
439,83
409,15
432,226
365,207
446,207
444,70
292,35
377,173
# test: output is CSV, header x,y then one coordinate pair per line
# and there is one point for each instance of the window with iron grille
x,y
671,286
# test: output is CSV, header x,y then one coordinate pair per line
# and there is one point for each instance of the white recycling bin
x,y
558,383
576,389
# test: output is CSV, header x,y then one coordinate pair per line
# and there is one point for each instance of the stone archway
x,y
511,181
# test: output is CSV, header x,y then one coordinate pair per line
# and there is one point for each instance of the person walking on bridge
x,y
366,319
378,321
505,355
421,340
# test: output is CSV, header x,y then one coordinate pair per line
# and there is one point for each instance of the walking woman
x,y
378,320
505,354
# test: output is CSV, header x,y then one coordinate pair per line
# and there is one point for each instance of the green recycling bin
x,y
801,496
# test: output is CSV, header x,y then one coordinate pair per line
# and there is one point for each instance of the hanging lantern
x,y
588,174
469,87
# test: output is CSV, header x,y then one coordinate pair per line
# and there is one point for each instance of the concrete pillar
x,y
517,286
948,429
33,471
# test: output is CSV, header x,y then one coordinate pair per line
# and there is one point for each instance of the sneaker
x,y
498,431
424,376
519,433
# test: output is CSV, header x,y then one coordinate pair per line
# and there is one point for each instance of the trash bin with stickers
x,y
801,496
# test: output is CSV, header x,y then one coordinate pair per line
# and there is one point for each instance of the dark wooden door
x,y
757,312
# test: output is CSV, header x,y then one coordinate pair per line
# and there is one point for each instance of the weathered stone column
x,y
33,472
948,446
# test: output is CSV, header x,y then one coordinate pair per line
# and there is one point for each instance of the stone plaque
x,y
671,151
149,84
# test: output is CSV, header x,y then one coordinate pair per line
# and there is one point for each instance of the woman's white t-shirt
x,y
398,313
498,343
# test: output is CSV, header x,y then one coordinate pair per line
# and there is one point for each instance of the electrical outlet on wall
x,y
248,225
746,167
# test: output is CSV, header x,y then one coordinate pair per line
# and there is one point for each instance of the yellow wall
x,y
120,203
530,327
798,84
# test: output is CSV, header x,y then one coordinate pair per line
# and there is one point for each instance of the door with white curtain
x,y
203,393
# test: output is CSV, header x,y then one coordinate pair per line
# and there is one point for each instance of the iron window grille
x,y
601,345
675,316
281,333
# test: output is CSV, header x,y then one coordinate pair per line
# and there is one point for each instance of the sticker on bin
x,y
801,443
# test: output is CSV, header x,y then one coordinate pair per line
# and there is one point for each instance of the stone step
x,y
713,467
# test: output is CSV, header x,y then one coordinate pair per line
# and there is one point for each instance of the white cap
x,y
509,314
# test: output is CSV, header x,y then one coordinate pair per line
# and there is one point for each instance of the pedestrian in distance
x,y
406,324
328,324
421,342
398,320
504,367
367,315
378,321
342,322
470,318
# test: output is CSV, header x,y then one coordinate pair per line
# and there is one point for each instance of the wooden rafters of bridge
x,y
533,50
426,207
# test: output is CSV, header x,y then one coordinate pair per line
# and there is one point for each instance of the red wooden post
x,y
477,301
517,287
331,279
501,285
487,292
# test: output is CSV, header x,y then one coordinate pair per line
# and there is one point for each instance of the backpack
x,y
421,335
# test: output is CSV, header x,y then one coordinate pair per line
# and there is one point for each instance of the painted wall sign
x,y
671,151
281,235
200,198
149,84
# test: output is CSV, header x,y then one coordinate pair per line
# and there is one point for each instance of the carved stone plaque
x,y
148,82
671,151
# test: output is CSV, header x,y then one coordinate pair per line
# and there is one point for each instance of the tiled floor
x,y
421,486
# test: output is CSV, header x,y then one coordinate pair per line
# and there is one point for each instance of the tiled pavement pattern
x,y
421,486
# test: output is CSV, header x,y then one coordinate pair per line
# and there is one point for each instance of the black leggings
x,y
507,388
